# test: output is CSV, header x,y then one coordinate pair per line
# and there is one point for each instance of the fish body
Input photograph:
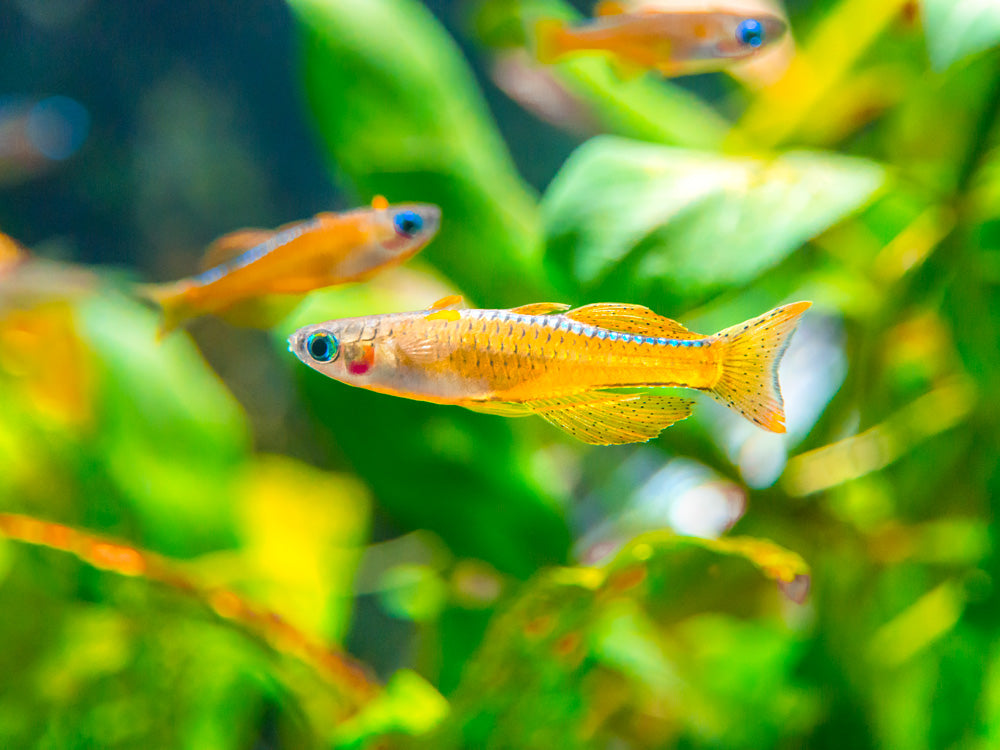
x,y
672,42
245,268
561,364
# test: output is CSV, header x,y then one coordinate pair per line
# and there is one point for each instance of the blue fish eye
x,y
408,223
750,32
322,346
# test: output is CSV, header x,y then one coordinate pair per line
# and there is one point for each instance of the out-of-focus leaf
x,y
959,28
409,704
400,114
580,645
303,531
171,434
638,222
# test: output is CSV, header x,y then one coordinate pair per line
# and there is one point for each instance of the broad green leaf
x,y
171,436
638,222
959,28
400,114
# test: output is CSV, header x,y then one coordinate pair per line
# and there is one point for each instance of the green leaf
x,y
959,28
400,114
639,222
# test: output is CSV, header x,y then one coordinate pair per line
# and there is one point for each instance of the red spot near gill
x,y
364,363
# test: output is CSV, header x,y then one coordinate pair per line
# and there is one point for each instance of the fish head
x,y
389,235
744,35
402,230
349,350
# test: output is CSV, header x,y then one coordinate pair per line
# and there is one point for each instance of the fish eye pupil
x,y
322,346
750,32
408,223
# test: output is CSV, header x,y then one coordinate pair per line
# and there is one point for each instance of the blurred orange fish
x,y
558,363
245,269
674,42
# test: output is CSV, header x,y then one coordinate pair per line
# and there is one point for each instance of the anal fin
x,y
602,418
630,319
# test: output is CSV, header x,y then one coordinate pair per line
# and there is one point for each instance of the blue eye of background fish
x,y
322,346
750,32
408,223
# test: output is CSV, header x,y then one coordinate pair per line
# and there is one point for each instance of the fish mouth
x,y
295,344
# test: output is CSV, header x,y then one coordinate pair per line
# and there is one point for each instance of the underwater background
x,y
205,544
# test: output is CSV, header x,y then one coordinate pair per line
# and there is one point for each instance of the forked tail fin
x,y
748,381
549,37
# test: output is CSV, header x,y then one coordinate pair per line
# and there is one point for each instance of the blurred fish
x,y
674,42
36,133
558,363
252,274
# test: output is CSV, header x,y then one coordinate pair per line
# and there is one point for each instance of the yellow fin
x,y
500,408
444,315
379,203
540,308
233,245
602,418
748,379
609,8
630,319
451,302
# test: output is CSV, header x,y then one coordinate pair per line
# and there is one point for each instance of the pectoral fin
x,y
233,245
500,408
540,308
602,418
630,319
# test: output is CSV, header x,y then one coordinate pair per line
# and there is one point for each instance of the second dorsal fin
x,y
233,245
630,319
540,308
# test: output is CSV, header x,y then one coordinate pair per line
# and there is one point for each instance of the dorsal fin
x,y
233,245
540,308
379,203
609,8
451,302
630,319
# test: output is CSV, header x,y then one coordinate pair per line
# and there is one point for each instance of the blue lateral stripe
x,y
254,254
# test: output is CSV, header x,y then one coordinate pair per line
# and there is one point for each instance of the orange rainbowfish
x,y
674,42
246,267
558,363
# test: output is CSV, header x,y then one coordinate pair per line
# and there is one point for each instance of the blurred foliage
x,y
402,574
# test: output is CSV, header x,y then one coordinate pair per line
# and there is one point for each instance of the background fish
x,y
558,363
674,42
245,269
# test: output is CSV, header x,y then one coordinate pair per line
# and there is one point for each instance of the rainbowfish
x,y
674,42
558,363
248,268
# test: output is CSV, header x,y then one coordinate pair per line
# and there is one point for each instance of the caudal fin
x,y
549,38
748,382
